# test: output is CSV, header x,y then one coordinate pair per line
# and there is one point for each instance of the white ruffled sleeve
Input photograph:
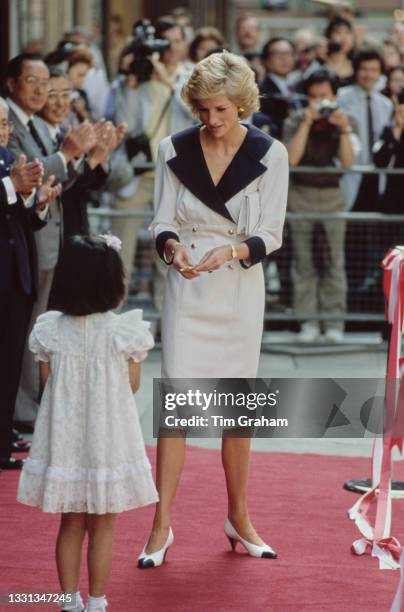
x,y
132,336
43,338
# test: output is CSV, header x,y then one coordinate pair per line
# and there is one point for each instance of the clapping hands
x,y
97,141
26,177
48,192
108,138
79,141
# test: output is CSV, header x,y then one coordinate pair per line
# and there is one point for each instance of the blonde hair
x,y
223,73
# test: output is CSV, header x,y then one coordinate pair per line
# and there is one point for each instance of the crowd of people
x,y
68,133
329,98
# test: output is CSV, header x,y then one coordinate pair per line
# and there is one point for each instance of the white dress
x,y
88,453
212,325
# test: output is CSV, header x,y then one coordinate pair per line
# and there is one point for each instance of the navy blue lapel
x,y
190,167
246,165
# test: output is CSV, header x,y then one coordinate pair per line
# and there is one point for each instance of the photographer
x,y
320,135
152,107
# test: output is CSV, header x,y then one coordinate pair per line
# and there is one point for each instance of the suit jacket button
x,y
11,241
231,267
8,216
194,229
193,246
57,223
231,232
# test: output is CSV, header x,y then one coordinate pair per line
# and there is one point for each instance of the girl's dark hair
x,y
89,277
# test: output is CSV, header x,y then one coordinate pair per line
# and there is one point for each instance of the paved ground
x,y
368,362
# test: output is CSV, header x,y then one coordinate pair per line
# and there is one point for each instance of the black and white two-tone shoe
x,y
157,558
254,550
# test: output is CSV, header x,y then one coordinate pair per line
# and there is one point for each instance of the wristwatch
x,y
169,259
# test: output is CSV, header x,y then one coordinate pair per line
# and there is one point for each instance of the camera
x,y
144,45
327,107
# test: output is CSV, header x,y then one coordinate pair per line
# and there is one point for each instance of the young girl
x,y
88,458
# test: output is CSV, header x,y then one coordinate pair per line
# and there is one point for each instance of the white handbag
x,y
250,213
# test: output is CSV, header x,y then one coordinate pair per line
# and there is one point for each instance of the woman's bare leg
x,y
100,529
235,458
170,461
68,550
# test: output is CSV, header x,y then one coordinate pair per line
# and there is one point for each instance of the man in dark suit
x,y
22,211
27,85
278,57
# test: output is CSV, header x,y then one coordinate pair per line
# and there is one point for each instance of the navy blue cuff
x,y
257,249
161,242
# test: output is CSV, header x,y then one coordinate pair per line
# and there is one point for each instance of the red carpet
x,y
297,504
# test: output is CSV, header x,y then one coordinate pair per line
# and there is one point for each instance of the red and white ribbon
x,y
376,539
397,605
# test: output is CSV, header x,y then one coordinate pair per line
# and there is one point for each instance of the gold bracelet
x,y
233,252
168,257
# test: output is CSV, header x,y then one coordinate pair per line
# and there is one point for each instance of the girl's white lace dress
x,y
88,453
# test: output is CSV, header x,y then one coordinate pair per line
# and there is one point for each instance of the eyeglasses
x,y
32,81
7,125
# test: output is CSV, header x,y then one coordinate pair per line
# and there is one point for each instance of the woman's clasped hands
x,y
212,260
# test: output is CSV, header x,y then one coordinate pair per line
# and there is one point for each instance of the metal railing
x,y
354,169
370,220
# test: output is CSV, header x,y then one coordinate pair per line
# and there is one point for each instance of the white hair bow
x,y
112,241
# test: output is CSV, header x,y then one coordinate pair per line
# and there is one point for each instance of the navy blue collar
x,y
190,167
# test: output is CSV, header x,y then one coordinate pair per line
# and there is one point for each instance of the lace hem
x,y
40,468
91,497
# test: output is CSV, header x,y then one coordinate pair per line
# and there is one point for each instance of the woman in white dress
x,y
220,202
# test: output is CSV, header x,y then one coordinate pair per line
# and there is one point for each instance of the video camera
x,y
144,45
